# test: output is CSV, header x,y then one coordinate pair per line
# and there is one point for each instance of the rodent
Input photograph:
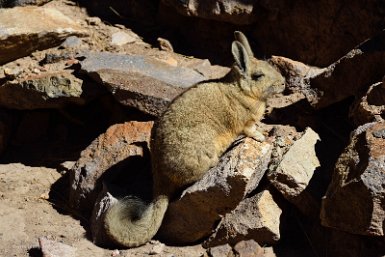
x,y
192,134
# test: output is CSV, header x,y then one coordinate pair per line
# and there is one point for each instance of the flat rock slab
x,y
26,29
117,144
142,82
354,201
46,90
195,215
257,218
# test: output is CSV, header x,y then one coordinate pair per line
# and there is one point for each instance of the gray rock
x,y
138,81
371,106
195,214
26,29
293,174
50,248
355,197
248,248
121,38
71,42
46,90
221,251
257,217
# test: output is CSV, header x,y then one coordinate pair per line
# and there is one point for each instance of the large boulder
x,y
354,201
292,175
26,29
139,81
123,147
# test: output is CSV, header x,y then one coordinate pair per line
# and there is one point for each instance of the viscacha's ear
x,y
239,36
241,57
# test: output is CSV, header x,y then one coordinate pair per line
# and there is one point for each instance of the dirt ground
x,y
27,213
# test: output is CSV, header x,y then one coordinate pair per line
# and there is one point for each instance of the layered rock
x,y
138,81
26,29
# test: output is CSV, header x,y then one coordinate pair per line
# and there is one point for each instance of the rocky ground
x,y
81,84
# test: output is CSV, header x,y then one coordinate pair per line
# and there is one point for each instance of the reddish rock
x,y
117,144
354,199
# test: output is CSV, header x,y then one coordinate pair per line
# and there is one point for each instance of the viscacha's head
x,y
257,78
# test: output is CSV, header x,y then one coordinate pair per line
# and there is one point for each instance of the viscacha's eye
x,y
257,76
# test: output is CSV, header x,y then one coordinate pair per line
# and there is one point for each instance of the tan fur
x,y
193,133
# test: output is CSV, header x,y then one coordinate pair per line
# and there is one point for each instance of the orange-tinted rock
x,y
113,148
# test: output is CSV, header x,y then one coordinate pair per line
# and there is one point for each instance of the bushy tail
x,y
131,222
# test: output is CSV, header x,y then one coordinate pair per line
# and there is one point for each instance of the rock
x,y
221,251
93,20
293,174
257,217
140,12
71,42
50,248
237,12
196,213
248,248
102,203
138,81
274,27
165,45
371,106
121,38
354,199
349,74
123,147
297,76
157,248
14,3
26,29
46,90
